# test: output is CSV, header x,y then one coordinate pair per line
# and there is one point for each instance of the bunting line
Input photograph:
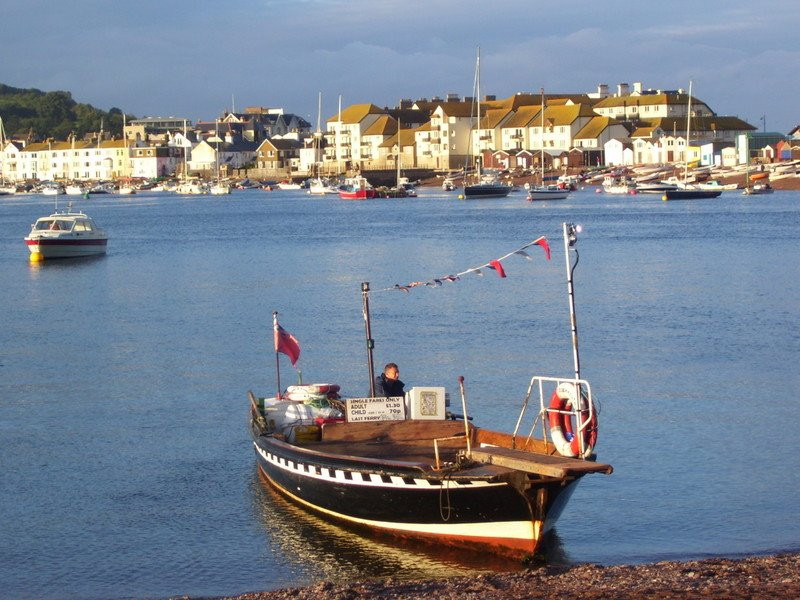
x,y
494,265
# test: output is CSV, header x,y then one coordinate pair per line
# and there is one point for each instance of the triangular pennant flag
x,y
524,254
543,243
495,264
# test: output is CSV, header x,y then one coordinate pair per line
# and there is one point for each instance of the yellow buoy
x,y
36,257
461,196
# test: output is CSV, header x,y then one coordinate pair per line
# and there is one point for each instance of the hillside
x,y
37,115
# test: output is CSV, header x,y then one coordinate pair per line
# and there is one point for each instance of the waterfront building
x,y
278,157
150,162
74,159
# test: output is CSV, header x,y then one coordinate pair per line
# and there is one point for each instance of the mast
x,y
541,156
478,100
216,150
688,124
185,159
338,138
399,150
318,137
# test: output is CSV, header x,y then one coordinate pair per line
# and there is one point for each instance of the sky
x,y
197,58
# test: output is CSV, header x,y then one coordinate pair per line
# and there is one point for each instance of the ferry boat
x,y
65,234
408,467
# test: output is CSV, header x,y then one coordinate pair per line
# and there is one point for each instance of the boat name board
x,y
375,409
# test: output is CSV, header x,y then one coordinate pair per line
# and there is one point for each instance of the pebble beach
x,y
776,576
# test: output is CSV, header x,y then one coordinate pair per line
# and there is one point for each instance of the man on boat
x,y
388,384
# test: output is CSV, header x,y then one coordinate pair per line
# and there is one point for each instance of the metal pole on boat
x,y
464,408
368,332
277,361
570,238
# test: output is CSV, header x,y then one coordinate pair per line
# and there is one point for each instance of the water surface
x,y
127,465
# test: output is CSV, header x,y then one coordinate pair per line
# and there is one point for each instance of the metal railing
x,y
584,406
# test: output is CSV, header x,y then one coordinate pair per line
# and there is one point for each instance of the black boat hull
x,y
454,508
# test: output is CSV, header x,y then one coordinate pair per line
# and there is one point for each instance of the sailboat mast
x,y
478,101
338,138
541,149
688,129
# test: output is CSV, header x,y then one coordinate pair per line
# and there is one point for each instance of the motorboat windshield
x,y
50,224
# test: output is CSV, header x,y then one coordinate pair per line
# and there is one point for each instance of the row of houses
x,y
629,126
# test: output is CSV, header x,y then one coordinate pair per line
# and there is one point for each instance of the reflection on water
x,y
336,553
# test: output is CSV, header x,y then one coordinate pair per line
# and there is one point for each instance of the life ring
x,y
561,430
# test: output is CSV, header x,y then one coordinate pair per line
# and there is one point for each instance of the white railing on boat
x,y
585,407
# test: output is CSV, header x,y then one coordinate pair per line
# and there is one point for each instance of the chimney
x,y
622,89
637,87
602,89
452,97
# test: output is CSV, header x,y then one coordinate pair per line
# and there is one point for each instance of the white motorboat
x,y
289,185
448,185
547,192
76,190
53,189
219,189
190,188
65,234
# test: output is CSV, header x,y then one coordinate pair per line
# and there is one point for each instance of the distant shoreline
x,y
774,576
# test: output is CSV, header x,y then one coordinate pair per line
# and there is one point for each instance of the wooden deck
x,y
548,465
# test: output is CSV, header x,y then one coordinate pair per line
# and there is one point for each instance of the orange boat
x,y
758,176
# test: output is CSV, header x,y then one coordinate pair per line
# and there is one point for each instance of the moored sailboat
x,y
483,188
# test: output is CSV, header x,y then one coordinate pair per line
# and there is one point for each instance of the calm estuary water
x,y
126,464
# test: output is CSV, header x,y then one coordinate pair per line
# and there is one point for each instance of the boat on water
x,y
65,234
619,185
289,185
191,188
448,185
76,190
357,188
687,191
545,191
488,186
219,188
407,467
757,189
690,194
50,188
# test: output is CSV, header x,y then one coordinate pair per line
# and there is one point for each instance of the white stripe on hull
x,y
364,479
507,530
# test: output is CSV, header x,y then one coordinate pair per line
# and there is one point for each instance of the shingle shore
x,y
772,577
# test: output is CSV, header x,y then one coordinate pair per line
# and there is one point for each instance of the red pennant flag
x,y
543,243
286,343
495,264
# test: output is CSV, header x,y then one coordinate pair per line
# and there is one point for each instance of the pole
x,y
464,409
370,341
277,362
569,241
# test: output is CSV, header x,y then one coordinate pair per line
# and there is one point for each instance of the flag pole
x,y
277,361
370,341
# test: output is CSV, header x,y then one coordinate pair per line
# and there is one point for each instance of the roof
x,y
494,117
524,117
594,128
385,125
407,138
457,109
356,113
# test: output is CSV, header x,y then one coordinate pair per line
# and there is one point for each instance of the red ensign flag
x,y
286,343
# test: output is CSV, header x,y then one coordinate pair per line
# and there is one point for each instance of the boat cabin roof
x,y
65,222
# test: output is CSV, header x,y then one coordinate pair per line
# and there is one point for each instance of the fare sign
x,y
375,409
